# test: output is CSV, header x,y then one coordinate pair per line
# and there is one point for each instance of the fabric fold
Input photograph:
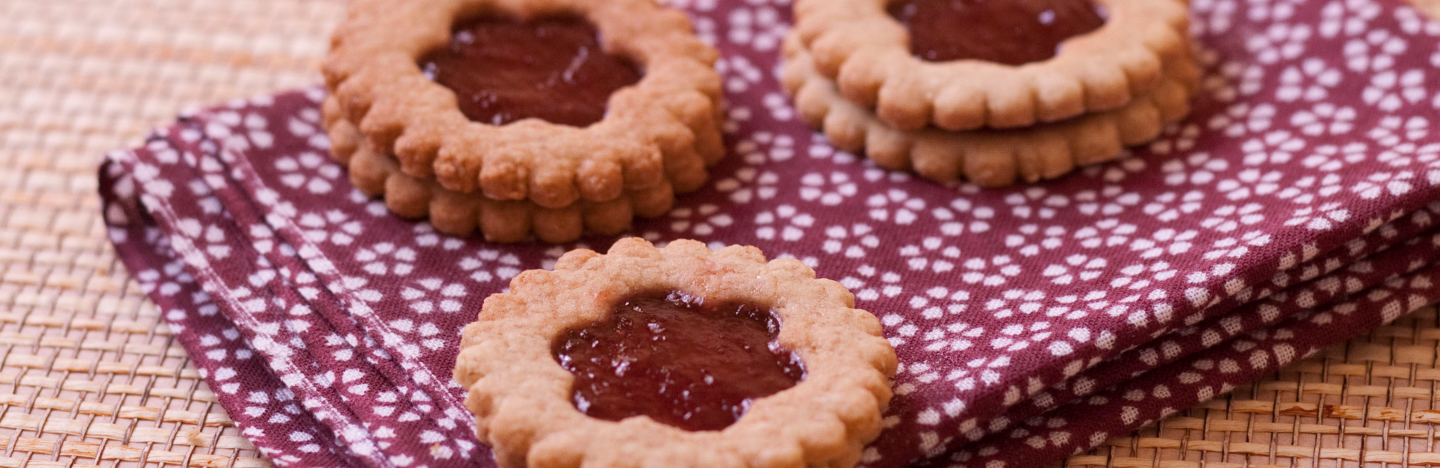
x,y
322,363
1147,398
1362,285
270,415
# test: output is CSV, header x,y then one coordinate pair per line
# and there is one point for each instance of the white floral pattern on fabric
x,y
1291,210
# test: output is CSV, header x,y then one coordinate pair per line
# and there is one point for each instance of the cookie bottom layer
x,y
378,174
988,157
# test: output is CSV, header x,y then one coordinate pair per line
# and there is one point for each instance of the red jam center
x,y
1012,32
553,69
682,362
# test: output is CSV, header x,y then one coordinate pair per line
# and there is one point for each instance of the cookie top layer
x,y
867,52
522,397
663,129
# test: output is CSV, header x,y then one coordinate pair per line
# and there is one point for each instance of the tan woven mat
x,y
1431,7
91,377
1369,402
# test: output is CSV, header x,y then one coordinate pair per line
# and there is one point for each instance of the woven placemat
x,y
1369,402
91,377
1431,7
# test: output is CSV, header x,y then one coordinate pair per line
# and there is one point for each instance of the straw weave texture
x,y
91,376
1374,402
1431,7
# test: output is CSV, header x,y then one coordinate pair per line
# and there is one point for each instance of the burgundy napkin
x,y
1291,211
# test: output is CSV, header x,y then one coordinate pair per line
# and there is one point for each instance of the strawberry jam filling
x,y
552,69
681,361
1011,32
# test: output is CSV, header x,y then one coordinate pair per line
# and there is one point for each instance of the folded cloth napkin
x,y
1291,211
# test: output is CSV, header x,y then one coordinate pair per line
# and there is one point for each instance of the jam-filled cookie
x,y
675,357
552,101
965,64
989,157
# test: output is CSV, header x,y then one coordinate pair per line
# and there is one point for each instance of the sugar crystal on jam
x,y
503,70
677,359
1012,32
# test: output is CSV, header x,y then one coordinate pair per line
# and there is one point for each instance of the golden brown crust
x,y
856,44
664,129
989,157
378,174
521,396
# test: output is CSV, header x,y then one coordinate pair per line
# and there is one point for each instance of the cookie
x,y
447,87
737,362
988,157
379,175
881,64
